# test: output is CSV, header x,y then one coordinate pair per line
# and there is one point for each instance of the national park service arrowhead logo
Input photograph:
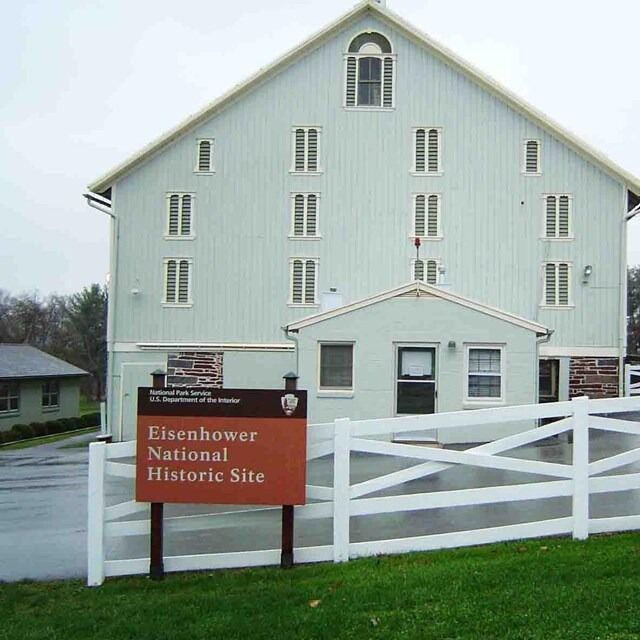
x,y
289,403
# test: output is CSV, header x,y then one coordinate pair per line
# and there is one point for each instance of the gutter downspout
x,y
543,340
105,206
293,339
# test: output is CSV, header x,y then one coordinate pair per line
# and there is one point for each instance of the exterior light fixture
x,y
452,344
588,270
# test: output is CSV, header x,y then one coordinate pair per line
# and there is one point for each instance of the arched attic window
x,y
369,72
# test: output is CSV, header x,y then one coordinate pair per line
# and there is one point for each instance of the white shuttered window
x,y
426,270
557,284
426,215
306,150
204,156
557,216
303,281
427,150
531,157
177,283
179,215
304,215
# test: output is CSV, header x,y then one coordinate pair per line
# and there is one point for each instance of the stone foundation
x,y
194,369
593,377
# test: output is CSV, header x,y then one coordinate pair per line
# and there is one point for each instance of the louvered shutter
x,y
418,270
174,214
310,282
387,81
563,284
420,150
298,215
531,156
185,220
296,281
170,293
432,216
312,215
419,224
432,272
312,150
204,155
183,282
550,284
563,216
434,151
300,145
350,95
551,226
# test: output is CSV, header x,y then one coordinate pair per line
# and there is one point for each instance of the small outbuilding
x,y
36,387
417,349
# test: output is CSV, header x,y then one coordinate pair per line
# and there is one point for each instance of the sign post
x,y
220,446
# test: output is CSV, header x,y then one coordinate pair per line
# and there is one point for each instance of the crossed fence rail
x,y
348,499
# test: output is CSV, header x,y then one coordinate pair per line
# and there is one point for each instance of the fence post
x,y
95,512
341,488
580,468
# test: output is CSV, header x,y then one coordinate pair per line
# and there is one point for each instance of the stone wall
x,y
593,377
194,369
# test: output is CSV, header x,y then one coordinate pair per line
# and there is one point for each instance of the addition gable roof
x,y
25,361
417,289
102,184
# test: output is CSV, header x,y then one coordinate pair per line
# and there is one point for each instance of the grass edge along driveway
x,y
554,588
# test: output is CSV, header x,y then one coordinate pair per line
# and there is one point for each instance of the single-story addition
x,y
417,349
36,387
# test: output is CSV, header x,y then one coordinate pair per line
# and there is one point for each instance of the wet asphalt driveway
x,y
43,511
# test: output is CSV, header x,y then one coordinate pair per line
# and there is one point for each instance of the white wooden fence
x,y
348,499
631,380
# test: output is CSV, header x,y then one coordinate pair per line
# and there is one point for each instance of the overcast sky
x,y
86,83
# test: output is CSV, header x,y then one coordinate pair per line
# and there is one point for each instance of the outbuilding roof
x,y
104,183
418,289
25,361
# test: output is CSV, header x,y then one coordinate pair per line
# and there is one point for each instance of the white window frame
x,y
306,128
557,238
211,169
426,172
381,57
47,393
336,392
523,167
414,199
304,260
292,215
191,235
11,396
425,260
470,401
178,305
543,271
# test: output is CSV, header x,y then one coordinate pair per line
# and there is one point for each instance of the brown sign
x,y
221,446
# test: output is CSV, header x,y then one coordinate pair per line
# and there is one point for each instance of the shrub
x,y
39,428
91,419
55,426
7,436
23,431
68,424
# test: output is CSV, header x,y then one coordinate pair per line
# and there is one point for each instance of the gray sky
x,y
85,83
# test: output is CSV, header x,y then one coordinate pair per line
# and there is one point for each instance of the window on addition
x,y
484,373
179,215
50,395
177,286
306,150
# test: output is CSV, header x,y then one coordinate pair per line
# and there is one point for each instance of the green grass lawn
x,y
88,406
551,589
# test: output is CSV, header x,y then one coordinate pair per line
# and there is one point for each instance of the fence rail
x,y
348,498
